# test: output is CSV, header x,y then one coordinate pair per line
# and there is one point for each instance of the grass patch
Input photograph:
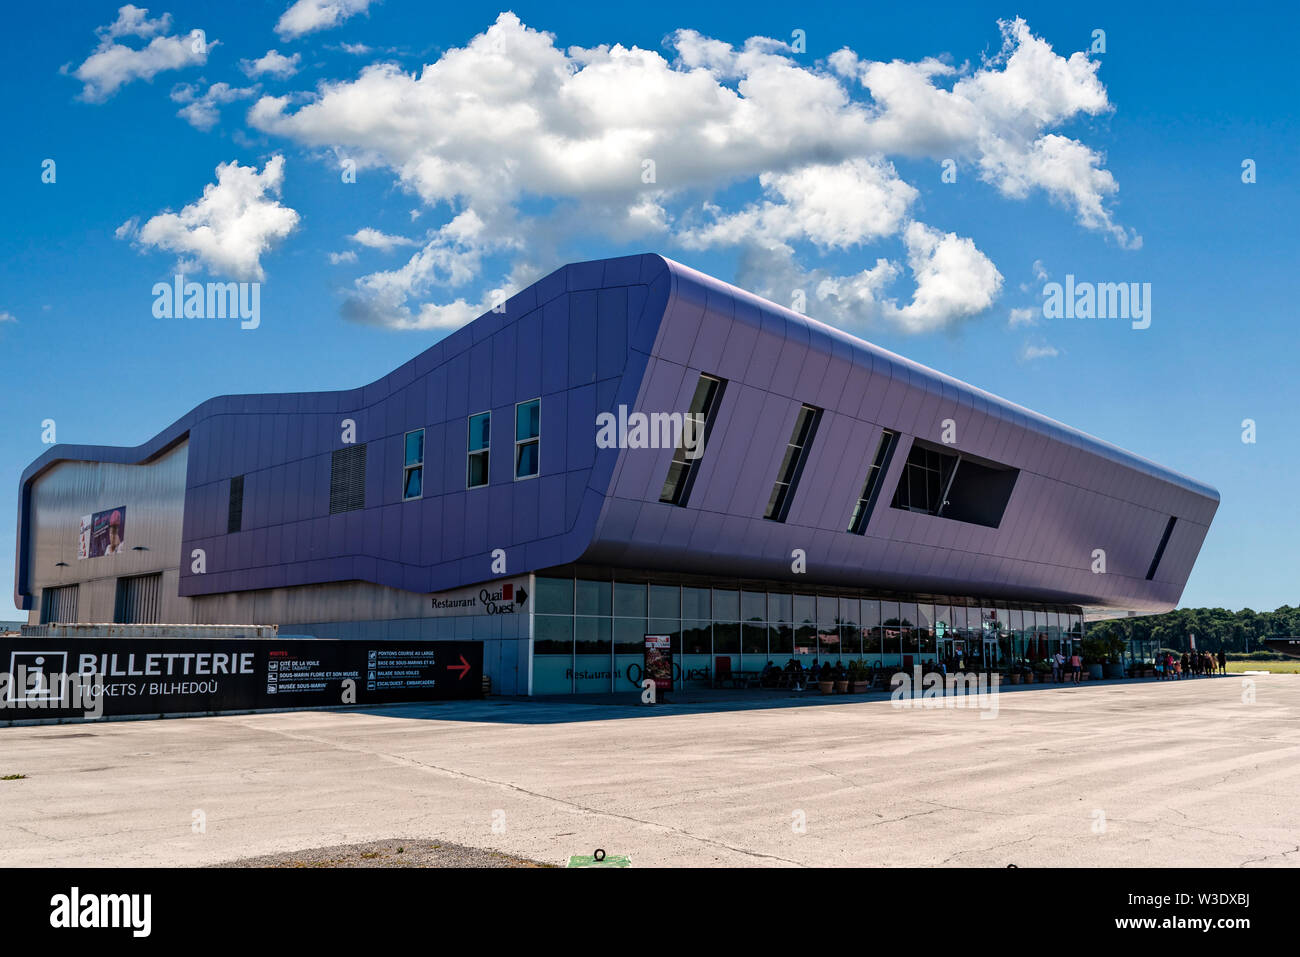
x,y
13,777
1288,667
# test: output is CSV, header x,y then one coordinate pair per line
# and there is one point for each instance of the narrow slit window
x,y
480,438
1160,551
871,487
696,425
796,454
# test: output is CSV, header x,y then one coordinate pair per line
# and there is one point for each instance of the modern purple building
x,y
534,481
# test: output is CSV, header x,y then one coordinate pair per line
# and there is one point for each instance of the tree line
x,y
1214,628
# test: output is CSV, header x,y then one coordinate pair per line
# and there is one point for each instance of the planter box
x,y
841,687
826,687
1094,671
860,687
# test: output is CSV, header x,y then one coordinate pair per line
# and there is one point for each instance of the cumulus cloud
x,y
451,259
844,205
237,220
374,239
347,256
272,63
309,16
630,144
112,65
202,110
6,316
953,280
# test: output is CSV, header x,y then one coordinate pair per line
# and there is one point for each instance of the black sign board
x,y
92,677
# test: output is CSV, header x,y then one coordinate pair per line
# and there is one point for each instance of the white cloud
x,y
1030,352
953,280
843,205
347,256
511,117
113,65
202,110
374,239
7,316
272,63
452,258
308,16
1023,317
1040,271
133,21
237,220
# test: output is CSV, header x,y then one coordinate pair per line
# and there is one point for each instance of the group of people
x,y
797,676
1191,664
1060,664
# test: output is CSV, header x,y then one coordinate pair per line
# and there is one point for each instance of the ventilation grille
x,y
59,604
235,514
137,600
348,479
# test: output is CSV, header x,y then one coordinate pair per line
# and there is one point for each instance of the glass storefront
x,y
588,634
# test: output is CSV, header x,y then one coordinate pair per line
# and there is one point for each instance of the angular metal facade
x,y
638,332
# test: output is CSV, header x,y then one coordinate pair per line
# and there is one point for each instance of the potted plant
x,y
841,676
825,683
859,680
1114,656
1042,672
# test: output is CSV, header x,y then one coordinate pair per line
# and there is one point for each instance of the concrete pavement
x,y
1144,774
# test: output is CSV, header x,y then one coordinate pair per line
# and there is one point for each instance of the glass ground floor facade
x,y
589,628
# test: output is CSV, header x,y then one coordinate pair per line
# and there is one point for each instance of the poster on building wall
x,y
659,661
103,533
110,677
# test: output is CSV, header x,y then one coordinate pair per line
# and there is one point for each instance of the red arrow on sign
x,y
463,667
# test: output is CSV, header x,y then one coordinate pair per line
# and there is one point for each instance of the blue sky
x,y
1115,166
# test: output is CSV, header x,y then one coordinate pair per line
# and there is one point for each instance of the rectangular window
x,y
413,466
871,487
1160,551
235,511
796,454
480,437
528,438
348,479
137,600
681,473
954,485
